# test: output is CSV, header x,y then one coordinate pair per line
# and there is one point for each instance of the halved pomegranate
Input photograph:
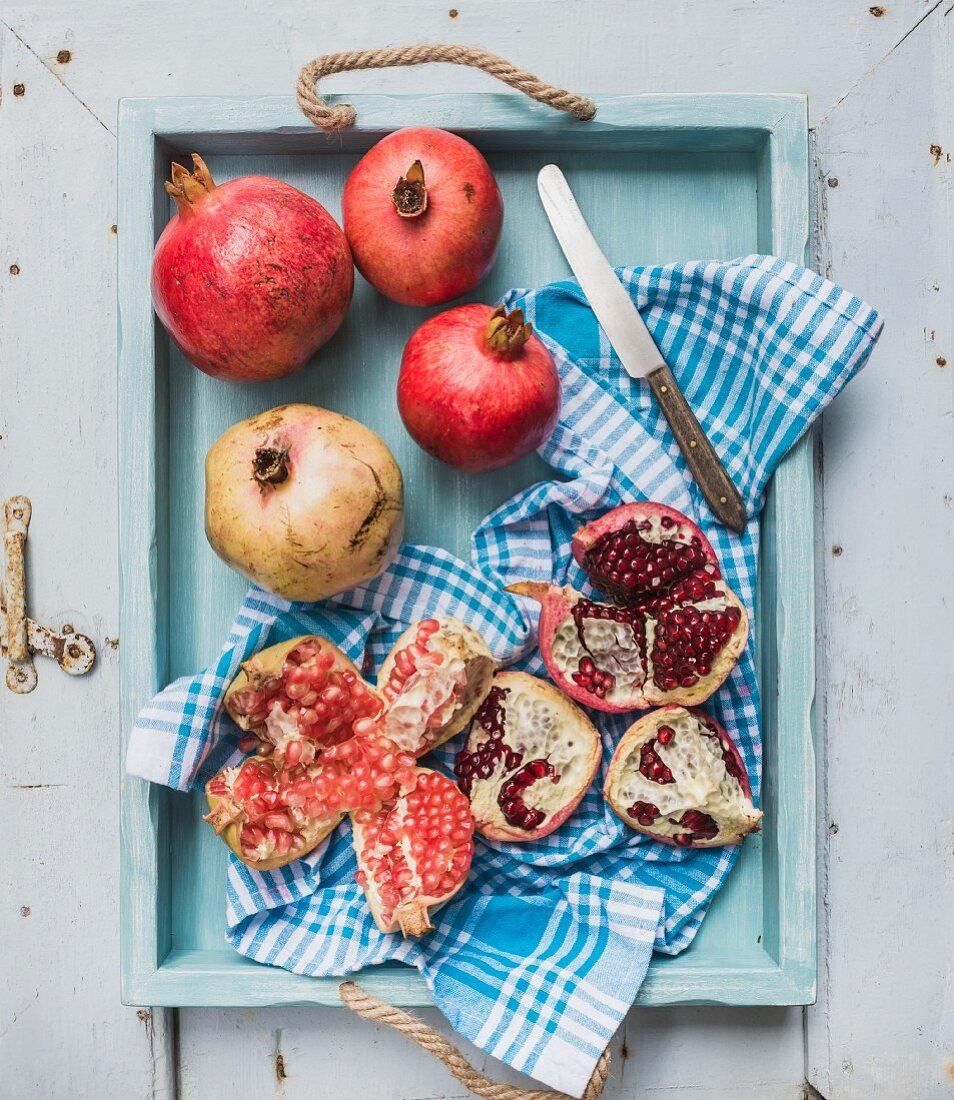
x,y
433,680
676,776
300,696
529,758
415,853
256,809
675,648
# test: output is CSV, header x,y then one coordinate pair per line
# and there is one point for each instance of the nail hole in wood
x,y
941,361
64,57
19,89
14,269
836,551
832,181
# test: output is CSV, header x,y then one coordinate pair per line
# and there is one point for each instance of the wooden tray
x,y
661,178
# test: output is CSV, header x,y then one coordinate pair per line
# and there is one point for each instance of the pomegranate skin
x,y
469,406
444,251
250,278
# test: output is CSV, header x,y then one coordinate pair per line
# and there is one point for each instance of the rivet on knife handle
x,y
716,485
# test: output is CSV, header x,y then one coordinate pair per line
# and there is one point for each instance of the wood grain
x,y
711,476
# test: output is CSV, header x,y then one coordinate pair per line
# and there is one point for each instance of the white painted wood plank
x,y
884,1023
885,240
63,1031
330,1053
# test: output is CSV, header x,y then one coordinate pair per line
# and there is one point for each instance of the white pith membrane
x,y
414,866
540,724
613,648
429,696
701,781
450,678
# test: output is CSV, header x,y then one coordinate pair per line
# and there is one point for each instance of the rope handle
x,y
371,1008
343,115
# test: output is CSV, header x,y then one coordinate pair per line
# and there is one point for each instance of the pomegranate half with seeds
x,y
529,758
300,696
415,853
620,659
256,810
677,777
433,680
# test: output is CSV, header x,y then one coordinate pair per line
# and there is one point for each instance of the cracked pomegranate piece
x,y
300,696
249,808
642,549
270,812
433,680
675,632
677,777
529,758
414,854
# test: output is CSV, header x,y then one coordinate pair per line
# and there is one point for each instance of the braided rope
x,y
434,1043
343,115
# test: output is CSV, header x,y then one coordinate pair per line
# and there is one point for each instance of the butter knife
x,y
624,327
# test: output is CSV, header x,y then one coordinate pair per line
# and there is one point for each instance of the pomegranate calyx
x,y
413,919
270,467
535,590
187,188
506,333
224,814
410,192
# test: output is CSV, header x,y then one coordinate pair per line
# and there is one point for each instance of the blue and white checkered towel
x,y
538,959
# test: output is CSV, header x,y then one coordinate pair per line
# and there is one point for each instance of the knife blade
x,y
627,332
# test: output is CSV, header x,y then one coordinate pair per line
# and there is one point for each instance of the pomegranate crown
x,y
410,192
506,333
187,187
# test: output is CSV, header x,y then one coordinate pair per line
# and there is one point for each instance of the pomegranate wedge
x,y
529,758
677,777
415,853
433,680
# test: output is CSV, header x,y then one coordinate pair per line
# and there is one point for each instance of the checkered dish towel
x,y
539,957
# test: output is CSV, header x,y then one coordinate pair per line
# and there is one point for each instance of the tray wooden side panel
x,y
757,147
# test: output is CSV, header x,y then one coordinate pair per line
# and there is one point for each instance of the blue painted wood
x,y
662,178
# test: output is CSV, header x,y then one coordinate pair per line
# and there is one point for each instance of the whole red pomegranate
x,y
530,756
477,389
676,631
303,501
422,213
249,278
676,776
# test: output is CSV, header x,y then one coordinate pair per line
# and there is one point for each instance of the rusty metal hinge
x,y
21,637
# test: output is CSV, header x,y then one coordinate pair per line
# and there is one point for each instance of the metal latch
x,y
21,637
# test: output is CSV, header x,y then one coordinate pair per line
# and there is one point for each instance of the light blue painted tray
x,y
661,178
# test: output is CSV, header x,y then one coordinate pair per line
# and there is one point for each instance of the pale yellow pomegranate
x,y
303,501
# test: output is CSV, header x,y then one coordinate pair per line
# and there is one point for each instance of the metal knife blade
x,y
624,327
618,316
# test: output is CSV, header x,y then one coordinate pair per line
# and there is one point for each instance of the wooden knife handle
x,y
716,485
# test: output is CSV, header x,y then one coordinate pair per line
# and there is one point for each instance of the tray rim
x,y
152,973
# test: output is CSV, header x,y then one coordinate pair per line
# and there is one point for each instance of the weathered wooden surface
x,y
882,104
